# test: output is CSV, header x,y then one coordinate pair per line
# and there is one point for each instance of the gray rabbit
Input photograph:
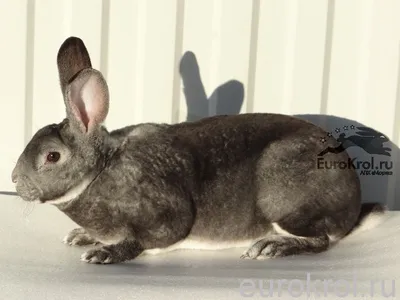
x,y
249,180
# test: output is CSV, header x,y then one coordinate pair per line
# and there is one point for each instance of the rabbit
x,y
230,181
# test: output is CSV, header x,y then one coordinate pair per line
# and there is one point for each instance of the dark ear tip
x,y
70,42
72,38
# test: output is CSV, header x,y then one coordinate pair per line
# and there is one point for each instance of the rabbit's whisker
x,y
28,209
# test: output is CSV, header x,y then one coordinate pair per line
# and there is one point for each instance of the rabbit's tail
x,y
371,215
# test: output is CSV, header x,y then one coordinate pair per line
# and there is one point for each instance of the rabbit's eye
x,y
53,157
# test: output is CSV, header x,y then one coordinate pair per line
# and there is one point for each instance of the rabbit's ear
x,y
72,57
87,100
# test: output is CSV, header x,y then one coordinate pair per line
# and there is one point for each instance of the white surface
x,y
35,264
296,57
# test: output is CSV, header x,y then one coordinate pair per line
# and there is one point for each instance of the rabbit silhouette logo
x,y
370,140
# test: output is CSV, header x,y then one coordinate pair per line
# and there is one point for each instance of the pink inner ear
x,y
89,100
80,115
81,112
92,96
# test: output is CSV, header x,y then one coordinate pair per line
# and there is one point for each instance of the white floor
x,y
35,264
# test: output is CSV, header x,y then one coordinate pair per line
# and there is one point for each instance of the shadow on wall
x,y
228,99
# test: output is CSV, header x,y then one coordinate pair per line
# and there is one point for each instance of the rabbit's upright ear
x,y
72,57
87,101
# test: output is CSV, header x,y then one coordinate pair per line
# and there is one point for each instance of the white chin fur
x,y
72,193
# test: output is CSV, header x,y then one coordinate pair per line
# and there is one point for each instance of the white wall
x,y
297,57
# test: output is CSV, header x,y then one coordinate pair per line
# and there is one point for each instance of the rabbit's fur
x,y
249,180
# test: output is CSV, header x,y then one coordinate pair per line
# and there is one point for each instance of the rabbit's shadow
x,y
228,99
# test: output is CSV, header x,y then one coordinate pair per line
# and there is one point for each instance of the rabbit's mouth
x,y
27,191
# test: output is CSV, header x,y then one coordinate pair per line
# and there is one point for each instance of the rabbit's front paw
x,y
98,256
79,237
115,253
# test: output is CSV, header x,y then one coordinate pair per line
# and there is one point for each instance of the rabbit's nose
x,y
14,176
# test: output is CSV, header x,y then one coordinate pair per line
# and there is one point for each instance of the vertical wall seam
x,y
140,60
290,55
392,184
215,55
396,125
104,38
176,87
29,67
251,77
327,57
364,61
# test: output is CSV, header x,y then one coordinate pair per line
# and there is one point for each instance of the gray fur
x,y
221,179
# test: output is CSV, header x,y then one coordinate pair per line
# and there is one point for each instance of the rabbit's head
x,y
61,156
